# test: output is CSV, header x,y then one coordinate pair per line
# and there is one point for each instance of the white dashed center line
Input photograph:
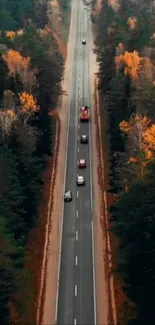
x,y
77,213
76,235
78,137
76,260
78,149
75,290
77,194
78,126
75,321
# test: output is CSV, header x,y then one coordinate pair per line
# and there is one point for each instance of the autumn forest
x,y
125,46
30,76
31,70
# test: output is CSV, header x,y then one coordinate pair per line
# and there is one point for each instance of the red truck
x,y
84,114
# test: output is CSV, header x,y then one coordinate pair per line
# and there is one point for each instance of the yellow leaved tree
x,y
131,61
20,65
29,103
132,22
15,61
149,141
137,129
11,34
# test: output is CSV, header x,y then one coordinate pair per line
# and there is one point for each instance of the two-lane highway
x,y
76,283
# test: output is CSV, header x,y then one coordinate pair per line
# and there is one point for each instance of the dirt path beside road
x,y
102,298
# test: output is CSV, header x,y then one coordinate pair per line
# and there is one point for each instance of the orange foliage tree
x,y
20,65
132,22
134,128
15,61
149,141
29,103
11,34
132,62
142,122
142,133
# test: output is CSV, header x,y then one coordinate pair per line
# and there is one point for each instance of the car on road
x,y
84,114
68,196
80,180
84,138
82,163
83,42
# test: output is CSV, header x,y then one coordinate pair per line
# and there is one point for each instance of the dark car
x,y
84,42
82,163
68,196
84,138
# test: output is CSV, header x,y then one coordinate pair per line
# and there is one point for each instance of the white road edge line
x,y
94,282
76,235
76,260
62,214
75,290
74,321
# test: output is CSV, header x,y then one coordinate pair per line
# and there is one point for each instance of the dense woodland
x,y
125,45
31,69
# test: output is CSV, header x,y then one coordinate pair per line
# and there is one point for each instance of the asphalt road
x,y
76,286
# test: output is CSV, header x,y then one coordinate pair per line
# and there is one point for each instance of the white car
x,y
80,180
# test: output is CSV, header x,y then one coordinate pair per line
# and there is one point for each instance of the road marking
x,y
94,282
75,290
76,260
77,194
77,213
78,149
78,137
76,235
74,321
78,126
